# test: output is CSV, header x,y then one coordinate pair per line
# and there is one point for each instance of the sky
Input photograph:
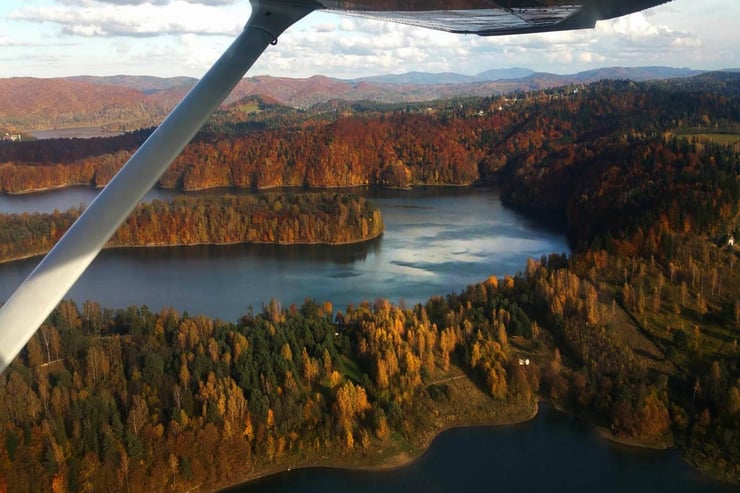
x,y
57,38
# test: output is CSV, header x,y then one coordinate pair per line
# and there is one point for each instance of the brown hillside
x,y
131,102
32,104
296,92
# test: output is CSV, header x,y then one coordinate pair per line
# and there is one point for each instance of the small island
x,y
283,218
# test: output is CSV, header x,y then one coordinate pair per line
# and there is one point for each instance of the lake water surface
x,y
436,240
553,453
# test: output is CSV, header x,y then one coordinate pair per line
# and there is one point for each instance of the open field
x,y
726,137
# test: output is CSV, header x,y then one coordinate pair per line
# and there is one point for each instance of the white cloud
x,y
347,24
94,18
687,42
359,46
635,29
84,30
184,37
8,42
122,47
197,54
326,28
589,57
87,3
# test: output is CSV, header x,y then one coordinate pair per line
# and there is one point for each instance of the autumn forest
x,y
329,218
636,331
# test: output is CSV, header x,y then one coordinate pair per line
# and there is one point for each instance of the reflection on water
x,y
310,254
437,240
553,453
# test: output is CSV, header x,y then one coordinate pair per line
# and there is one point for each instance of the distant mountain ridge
x,y
129,102
517,73
426,78
31,104
146,83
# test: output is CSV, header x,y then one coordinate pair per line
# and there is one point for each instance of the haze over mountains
x,y
129,102
450,77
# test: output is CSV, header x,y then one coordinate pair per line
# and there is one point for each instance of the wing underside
x,y
492,18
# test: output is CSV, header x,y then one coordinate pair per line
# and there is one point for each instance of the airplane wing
x,y
492,17
45,287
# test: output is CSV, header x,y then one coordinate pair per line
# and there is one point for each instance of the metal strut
x,y
45,287
274,38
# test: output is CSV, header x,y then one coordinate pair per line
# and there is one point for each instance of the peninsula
x,y
283,218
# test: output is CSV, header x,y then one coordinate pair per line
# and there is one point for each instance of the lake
x,y
553,453
436,240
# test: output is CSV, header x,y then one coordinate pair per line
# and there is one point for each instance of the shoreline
x,y
606,434
631,442
396,455
268,188
31,191
393,455
174,245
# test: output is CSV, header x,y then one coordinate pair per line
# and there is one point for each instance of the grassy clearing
x,y
724,137
349,369
718,138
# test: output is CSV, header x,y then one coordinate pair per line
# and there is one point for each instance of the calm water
x,y
436,241
553,453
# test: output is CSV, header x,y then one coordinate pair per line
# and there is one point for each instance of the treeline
x,y
653,346
635,194
142,401
647,309
473,140
54,163
616,170
330,218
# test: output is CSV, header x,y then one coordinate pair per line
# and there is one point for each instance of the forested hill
x,y
631,155
28,104
478,140
131,102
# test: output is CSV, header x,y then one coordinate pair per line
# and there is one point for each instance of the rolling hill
x,y
130,102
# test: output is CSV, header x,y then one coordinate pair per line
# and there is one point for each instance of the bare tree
x,y
123,469
138,415
174,463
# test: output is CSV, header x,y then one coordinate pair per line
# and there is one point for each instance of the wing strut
x,y
45,287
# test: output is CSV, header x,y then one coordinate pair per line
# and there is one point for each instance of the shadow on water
x,y
550,221
311,254
554,452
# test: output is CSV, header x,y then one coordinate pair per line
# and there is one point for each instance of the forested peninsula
x,y
637,331
328,218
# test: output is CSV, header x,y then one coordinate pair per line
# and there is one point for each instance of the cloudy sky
x,y
53,38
